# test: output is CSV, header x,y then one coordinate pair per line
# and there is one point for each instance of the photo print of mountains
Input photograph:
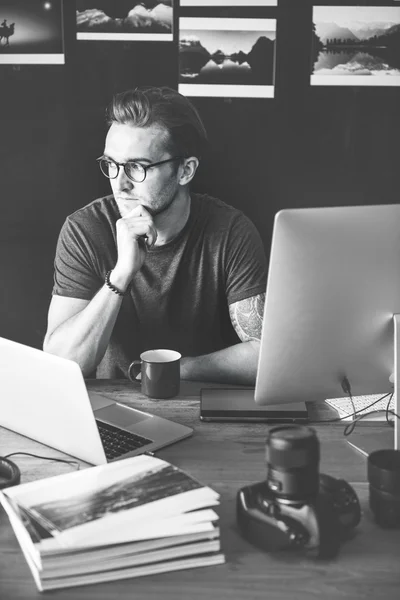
x,y
356,45
125,20
228,3
31,32
227,57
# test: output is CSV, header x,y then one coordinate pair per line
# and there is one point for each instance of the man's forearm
x,y
236,365
84,337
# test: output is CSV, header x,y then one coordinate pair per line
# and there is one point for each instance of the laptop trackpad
x,y
120,415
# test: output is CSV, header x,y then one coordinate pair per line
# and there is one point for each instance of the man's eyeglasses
x,y
133,170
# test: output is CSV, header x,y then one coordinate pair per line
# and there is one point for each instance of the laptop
x,y
44,397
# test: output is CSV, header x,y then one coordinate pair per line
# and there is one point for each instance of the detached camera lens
x,y
292,456
384,487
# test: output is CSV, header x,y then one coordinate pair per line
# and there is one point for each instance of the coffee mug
x,y
160,373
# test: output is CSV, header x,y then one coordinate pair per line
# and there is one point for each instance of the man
x,y
153,265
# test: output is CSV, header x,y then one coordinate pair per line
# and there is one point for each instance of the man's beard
x,y
158,211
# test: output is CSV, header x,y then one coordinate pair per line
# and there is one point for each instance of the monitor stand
x,y
383,435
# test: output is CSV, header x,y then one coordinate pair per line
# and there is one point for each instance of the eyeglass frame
x,y
144,167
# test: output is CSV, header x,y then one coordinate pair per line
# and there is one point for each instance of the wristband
x,y
112,287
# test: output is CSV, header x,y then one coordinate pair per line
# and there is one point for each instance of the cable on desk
x,y
69,462
350,427
346,387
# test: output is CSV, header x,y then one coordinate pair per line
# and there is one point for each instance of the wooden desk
x,y
226,457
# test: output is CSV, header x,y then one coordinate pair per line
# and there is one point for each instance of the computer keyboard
x,y
362,405
117,442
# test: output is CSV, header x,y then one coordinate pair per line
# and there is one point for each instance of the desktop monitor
x,y
333,290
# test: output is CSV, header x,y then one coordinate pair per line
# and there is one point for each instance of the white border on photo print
x,y
36,59
32,59
361,67
230,3
125,37
227,90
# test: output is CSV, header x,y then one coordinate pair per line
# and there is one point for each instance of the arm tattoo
x,y
246,317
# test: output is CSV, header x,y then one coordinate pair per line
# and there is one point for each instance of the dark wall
x,y
306,147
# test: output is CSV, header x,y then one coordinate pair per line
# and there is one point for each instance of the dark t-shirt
x,y
179,299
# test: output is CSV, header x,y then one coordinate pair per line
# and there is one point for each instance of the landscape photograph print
x,y
125,20
356,45
107,491
31,32
228,3
227,57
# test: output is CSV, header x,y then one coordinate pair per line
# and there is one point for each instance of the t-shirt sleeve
x,y
246,263
75,274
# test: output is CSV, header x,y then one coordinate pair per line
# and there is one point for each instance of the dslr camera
x,y
296,507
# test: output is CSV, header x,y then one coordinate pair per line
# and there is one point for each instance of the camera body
x,y
296,507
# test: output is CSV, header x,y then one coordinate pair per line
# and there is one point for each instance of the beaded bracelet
x,y
112,287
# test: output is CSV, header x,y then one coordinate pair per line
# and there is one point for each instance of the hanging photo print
x,y
124,20
229,3
356,45
227,57
31,32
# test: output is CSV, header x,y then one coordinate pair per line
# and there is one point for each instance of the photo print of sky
x,y
125,20
356,45
227,57
31,32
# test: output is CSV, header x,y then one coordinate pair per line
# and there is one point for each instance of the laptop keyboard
x,y
117,442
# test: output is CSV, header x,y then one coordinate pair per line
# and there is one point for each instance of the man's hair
x,y
163,106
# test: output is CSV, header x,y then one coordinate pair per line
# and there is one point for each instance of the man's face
x,y
145,145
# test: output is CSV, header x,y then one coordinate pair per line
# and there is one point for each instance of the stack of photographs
x,y
128,518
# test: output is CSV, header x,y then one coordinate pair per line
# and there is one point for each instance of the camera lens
x,y
292,455
384,486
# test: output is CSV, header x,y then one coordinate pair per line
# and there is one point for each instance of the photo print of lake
x,y
124,20
31,32
356,45
227,57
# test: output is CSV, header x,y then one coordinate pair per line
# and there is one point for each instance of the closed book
x,y
125,519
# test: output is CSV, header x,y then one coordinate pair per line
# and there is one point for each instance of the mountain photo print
x,y
124,20
228,3
356,45
229,57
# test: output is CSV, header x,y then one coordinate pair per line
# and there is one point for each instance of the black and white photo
x,y
124,20
356,45
31,32
128,491
228,3
227,57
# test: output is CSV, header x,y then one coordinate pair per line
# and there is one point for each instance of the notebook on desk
x,y
44,397
238,404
